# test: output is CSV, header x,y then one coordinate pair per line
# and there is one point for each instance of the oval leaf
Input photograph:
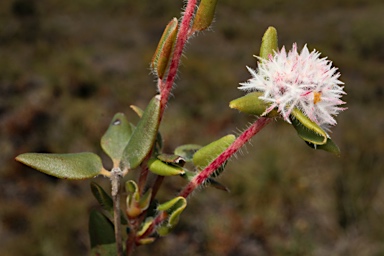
x,y
160,168
163,51
208,153
307,129
144,135
65,166
116,137
251,104
204,15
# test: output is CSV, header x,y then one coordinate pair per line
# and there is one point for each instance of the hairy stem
x,y
182,37
232,149
116,175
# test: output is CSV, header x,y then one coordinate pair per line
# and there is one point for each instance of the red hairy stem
x,y
232,149
181,39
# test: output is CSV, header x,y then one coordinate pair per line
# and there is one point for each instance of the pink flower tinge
x,y
302,81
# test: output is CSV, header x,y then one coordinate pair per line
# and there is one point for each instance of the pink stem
x,y
182,37
233,148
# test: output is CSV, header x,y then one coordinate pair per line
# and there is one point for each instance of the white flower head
x,y
298,80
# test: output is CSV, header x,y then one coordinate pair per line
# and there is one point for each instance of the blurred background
x,y
66,67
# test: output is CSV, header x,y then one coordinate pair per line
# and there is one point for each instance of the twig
x,y
116,175
232,149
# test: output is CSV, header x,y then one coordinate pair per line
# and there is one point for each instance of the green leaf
x,y
269,43
307,129
204,156
174,208
65,166
102,197
104,250
101,230
163,51
116,137
144,136
171,159
147,223
187,151
160,168
204,15
251,104
137,110
330,147
169,204
105,200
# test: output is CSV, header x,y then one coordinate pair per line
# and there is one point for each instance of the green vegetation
x,y
66,67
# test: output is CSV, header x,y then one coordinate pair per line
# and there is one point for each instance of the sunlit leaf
x,y
251,104
160,168
208,153
66,166
307,129
144,135
163,51
116,137
269,43
204,15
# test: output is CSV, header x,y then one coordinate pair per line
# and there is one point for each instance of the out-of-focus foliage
x,y
66,67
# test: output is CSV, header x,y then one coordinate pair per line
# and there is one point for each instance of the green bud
x,y
251,104
208,153
160,168
204,15
269,43
163,51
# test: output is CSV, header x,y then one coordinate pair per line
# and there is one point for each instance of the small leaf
x,y
163,51
251,104
160,168
208,153
216,184
174,208
187,151
105,200
169,204
145,226
269,43
101,230
307,129
204,15
145,200
65,166
330,147
133,198
102,197
116,137
144,136
137,110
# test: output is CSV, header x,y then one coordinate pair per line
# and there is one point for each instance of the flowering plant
x,y
300,88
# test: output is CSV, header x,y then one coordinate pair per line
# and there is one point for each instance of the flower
x,y
298,80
